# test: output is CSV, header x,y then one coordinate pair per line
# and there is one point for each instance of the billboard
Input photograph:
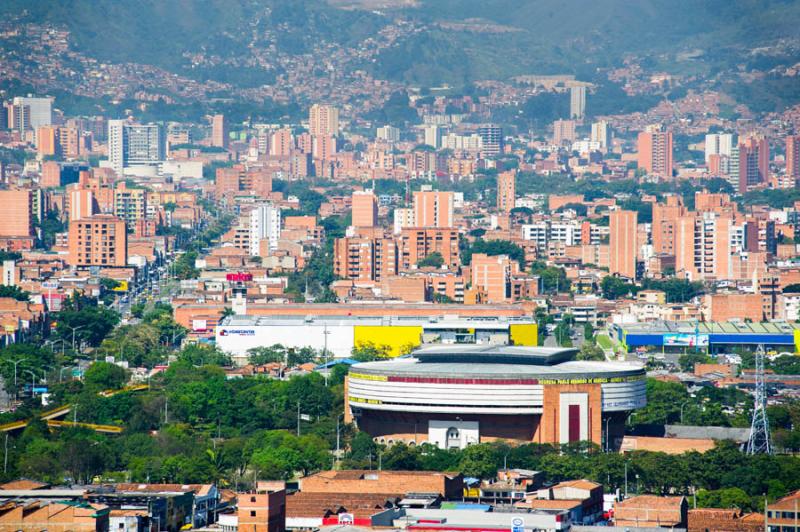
x,y
686,340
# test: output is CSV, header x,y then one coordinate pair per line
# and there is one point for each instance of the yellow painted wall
x,y
397,337
797,340
524,334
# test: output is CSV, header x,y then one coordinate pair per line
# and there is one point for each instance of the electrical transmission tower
x,y
759,428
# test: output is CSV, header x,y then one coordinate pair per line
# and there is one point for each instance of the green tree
x,y
368,352
588,331
615,288
590,351
204,354
266,355
183,267
91,322
493,248
687,361
479,461
724,498
14,292
434,260
664,401
104,376
554,279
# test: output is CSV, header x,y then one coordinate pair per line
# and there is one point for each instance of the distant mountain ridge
x,y
519,37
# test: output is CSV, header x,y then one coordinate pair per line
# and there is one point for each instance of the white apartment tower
x,y
577,102
601,133
265,224
719,144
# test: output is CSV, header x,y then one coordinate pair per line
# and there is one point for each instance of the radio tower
x,y
759,428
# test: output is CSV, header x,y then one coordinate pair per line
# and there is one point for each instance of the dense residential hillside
x,y
454,40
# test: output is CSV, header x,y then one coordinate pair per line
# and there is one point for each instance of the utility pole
x,y
325,333
16,362
73,334
337,439
626,479
5,456
298,419
759,427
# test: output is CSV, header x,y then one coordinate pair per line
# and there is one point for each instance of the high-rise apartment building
x,y
219,131
365,259
51,175
282,143
101,240
388,133
18,116
323,120
403,217
793,157
655,151
622,243
71,142
563,131
703,246
81,204
577,102
665,217
753,163
265,225
601,134
135,145
365,209
47,141
506,190
130,204
146,145
718,144
16,214
323,147
432,136
39,110
416,243
116,145
492,275
491,140
433,209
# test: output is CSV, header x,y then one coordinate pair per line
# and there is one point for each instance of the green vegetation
x,y
82,319
14,292
554,279
290,357
604,341
675,290
434,260
493,248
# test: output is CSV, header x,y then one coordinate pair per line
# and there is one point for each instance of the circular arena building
x,y
456,395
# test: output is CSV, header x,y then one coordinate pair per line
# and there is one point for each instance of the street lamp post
x,y
33,384
73,334
682,405
16,362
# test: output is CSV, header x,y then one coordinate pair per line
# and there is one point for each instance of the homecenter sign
x,y
237,332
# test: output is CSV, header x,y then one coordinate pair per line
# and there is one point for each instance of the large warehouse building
x,y
339,334
454,396
713,337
